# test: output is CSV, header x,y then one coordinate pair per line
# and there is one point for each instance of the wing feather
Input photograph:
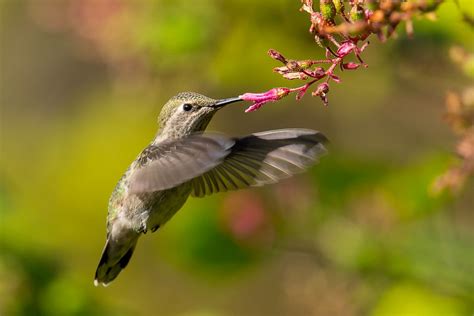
x,y
214,163
169,164
263,158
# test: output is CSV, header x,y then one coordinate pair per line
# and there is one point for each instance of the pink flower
x,y
322,88
260,99
345,49
348,46
350,66
321,91
243,214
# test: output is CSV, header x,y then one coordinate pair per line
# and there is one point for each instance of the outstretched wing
x,y
262,158
175,162
215,163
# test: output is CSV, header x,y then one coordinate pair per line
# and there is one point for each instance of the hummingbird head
x,y
187,113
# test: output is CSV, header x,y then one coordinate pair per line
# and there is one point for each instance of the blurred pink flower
x,y
245,217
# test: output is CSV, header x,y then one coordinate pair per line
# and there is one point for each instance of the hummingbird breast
x,y
162,205
145,211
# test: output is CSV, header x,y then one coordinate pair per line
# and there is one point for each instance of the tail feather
x,y
115,257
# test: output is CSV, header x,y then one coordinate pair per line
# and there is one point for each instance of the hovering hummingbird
x,y
183,161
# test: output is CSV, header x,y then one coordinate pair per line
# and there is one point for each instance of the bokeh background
x,y
362,233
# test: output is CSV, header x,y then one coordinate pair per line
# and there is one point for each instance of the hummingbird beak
x,y
221,103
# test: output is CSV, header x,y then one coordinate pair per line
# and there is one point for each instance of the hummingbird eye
x,y
187,107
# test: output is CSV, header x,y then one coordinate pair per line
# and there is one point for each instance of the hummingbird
x,y
182,160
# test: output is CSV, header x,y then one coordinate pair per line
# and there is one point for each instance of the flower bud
x,y
322,88
295,75
293,65
281,70
276,55
350,66
307,6
319,72
321,91
335,78
301,93
345,48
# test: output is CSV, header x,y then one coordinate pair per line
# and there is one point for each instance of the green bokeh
x,y
410,299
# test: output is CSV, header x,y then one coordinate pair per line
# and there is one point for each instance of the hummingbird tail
x,y
114,259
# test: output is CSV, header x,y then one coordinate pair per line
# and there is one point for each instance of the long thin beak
x,y
221,103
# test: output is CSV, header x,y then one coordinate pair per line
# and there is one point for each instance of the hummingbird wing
x,y
262,158
168,164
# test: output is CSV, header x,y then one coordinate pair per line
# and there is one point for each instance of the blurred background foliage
x,y
82,83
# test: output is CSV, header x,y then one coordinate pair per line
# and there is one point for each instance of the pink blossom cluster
x,y
341,33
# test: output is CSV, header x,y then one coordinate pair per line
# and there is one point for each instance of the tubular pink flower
x,y
340,37
260,99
